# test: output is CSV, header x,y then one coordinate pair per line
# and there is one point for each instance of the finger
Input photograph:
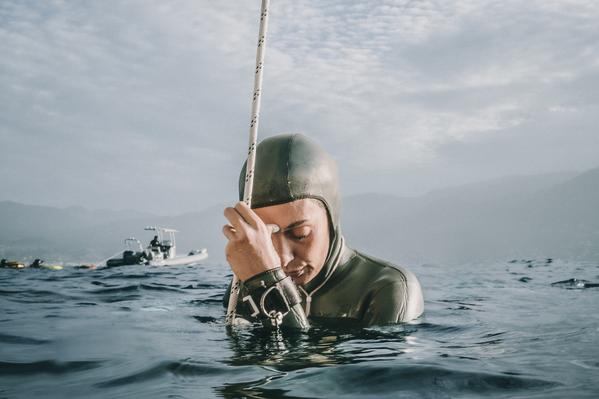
x,y
229,232
236,220
248,215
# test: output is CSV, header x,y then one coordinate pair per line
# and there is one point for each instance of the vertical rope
x,y
251,160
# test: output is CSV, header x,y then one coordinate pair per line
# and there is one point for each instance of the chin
x,y
303,279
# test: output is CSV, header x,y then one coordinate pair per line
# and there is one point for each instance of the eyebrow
x,y
294,225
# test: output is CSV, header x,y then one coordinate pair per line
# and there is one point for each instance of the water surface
x,y
520,329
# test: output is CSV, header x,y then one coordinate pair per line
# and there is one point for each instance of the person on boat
x,y
290,255
155,243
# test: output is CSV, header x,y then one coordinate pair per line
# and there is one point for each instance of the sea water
x,y
519,329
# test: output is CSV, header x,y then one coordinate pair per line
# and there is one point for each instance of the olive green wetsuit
x,y
351,287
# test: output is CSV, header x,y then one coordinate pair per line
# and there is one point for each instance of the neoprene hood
x,y
290,167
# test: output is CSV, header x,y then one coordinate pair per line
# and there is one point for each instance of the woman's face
x,y
303,240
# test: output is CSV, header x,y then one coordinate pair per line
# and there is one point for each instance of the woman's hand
x,y
250,250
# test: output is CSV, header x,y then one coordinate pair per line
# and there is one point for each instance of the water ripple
x,y
163,368
20,339
36,296
392,380
135,287
46,367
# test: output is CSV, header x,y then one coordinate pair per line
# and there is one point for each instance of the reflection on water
x,y
515,329
367,362
319,347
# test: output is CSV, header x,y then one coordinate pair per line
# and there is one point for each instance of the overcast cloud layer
x,y
145,104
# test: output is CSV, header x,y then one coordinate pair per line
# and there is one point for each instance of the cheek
x,y
314,250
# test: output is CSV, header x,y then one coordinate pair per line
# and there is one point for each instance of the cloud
x,y
402,78
105,102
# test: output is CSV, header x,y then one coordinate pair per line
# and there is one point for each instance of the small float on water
x,y
40,264
162,251
37,264
12,264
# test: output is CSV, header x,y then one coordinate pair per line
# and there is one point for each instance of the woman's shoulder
x,y
380,269
391,280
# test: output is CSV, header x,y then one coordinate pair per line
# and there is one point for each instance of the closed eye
x,y
299,233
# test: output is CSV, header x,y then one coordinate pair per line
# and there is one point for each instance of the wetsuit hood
x,y
290,167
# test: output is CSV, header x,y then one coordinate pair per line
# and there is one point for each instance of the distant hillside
x,y
77,234
514,217
23,220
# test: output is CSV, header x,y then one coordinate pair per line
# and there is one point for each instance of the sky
x,y
146,104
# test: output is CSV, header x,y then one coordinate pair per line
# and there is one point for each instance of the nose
x,y
284,249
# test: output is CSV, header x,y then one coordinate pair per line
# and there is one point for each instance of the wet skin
x,y
300,246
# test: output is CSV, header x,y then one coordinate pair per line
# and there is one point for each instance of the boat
x,y
162,251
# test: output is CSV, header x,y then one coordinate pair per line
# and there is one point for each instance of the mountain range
x,y
542,216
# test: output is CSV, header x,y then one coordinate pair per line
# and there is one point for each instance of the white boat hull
x,y
180,260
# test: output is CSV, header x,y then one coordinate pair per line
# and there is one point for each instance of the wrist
x,y
246,275
271,295
265,277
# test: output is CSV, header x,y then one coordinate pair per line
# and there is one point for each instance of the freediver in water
x,y
289,253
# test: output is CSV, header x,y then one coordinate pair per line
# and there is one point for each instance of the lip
x,y
294,274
